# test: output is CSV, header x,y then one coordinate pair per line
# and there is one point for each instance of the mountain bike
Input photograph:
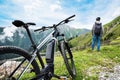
x,y
30,65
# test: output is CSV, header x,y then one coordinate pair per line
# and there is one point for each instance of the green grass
x,y
81,40
26,76
90,63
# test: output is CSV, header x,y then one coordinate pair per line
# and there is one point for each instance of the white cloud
x,y
48,12
111,11
80,25
8,33
106,9
117,12
39,11
55,7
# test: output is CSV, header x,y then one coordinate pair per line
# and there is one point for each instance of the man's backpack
x,y
98,28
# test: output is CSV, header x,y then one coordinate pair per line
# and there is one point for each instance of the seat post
x,y
30,37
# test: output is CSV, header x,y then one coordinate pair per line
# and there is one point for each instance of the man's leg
x,y
93,41
98,43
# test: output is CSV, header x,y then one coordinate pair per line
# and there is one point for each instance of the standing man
x,y
97,32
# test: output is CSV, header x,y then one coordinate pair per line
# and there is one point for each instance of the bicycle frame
x,y
47,39
51,41
44,42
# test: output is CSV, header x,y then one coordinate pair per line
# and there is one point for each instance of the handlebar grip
x,y
70,17
31,23
65,21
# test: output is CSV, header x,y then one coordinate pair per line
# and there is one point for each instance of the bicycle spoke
x,y
12,65
17,68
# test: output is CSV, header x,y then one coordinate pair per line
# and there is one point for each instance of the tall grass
x,y
90,63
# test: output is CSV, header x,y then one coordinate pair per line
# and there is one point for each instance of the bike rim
x,y
9,62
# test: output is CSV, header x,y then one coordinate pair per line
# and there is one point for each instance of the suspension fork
x,y
59,47
69,50
66,46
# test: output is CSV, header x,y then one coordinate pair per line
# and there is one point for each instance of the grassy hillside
x,y
90,64
81,41
111,35
112,29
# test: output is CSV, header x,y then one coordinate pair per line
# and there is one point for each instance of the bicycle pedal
x,y
63,78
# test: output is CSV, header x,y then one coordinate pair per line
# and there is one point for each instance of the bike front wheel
x,y
68,58
13,61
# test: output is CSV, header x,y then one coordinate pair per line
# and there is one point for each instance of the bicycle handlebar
x,y
55,25
69,17
66,20
43,28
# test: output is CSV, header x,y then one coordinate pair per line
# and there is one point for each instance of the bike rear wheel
x,y
10,58
68,58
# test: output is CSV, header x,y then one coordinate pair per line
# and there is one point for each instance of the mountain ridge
x,y
18,36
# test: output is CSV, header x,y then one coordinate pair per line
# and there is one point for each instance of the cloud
x,y
106,9
117,12
39,11
8,33
80,25
55,7
48,12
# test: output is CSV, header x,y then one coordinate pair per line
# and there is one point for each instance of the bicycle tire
x,y
12,50
68,58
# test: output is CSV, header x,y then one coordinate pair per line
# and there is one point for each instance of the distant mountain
x,y
111,35
18,36
1,30
72,32
82,31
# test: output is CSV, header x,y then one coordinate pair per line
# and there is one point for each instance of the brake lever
x,y
41,29
66,21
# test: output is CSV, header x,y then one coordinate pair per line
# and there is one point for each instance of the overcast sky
x,y
48,12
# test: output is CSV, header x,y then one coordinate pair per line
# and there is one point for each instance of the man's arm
x,y
93,29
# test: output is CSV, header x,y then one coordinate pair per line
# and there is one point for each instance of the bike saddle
x,y
19,23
